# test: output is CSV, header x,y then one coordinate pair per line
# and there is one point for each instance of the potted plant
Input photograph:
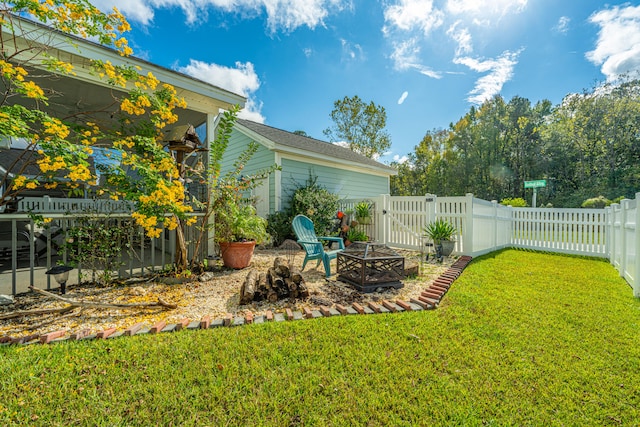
x,y
237,227
441,232
363,212
237,231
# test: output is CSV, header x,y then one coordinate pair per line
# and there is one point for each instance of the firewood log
x,y
303,291
296,276
248,289
281,267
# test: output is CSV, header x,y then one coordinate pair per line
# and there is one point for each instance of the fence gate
x,y
401,220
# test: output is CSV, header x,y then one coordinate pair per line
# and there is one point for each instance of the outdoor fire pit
x,y
369,266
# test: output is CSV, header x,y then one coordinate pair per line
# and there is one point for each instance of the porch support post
x,y
211,136
277,176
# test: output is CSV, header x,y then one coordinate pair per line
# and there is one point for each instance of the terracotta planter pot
x,y
237,254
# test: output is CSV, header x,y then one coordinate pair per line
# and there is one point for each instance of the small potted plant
x,y
363,212
441,232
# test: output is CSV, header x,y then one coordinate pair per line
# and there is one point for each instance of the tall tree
x,y
360,125
427,168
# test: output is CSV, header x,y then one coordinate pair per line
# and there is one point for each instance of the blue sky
x,y
425,61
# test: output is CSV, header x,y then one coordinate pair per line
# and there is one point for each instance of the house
x,y
84,94
81,96
338,169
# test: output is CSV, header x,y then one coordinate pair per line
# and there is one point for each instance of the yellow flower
x,y
32,90
19,182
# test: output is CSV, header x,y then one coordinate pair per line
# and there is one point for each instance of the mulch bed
x,y
217,296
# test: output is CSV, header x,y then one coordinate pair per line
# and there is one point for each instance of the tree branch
x,y
74,303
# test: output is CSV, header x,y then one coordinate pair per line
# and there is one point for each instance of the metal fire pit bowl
x,y
369,266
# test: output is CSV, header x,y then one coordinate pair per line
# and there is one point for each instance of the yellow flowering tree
x,y
61,148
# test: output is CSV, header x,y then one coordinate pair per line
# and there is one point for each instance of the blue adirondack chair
x,y
312,244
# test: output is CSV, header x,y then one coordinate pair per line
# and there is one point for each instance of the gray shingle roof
x,y
312,145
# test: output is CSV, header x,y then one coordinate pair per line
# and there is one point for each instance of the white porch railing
x,y
27,251
63,205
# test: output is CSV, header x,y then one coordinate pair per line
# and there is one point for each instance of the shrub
x,y
617,199
596,203
356,235
516,202
96,244
279,226
318,204
440,230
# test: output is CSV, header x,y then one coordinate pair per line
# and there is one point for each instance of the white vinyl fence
x,y
485,226
623,240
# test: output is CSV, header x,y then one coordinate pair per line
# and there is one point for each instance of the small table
x,y
369,266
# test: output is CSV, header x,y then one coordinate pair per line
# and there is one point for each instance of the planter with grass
x,y
441,232
363,212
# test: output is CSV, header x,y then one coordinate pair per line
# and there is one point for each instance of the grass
x,y
522,338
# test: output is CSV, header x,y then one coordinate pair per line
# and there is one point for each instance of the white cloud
x,y
500,71
617,49
563,25
135,10
405,57
400,159
462,37
242,80
351,51
252,111
307,52
409,15
479,8
285,15
403,97
344,144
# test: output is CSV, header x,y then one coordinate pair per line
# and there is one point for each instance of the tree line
x,y
585,147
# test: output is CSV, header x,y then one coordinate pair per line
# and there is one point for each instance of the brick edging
x,y
429,299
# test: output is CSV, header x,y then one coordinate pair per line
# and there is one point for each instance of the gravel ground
x,y
214,297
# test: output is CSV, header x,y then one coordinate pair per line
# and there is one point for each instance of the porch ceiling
x,y
78,99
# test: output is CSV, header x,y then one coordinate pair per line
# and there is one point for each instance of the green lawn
x,y
522,338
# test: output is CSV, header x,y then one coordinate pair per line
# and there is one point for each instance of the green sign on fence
x,y
535,184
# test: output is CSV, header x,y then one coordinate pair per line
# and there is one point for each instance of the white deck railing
x,y
28,250
63,205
